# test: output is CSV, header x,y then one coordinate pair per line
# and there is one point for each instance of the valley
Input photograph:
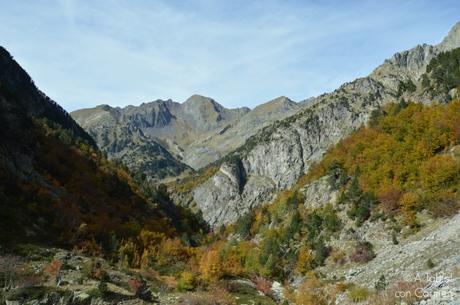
x,y
350,197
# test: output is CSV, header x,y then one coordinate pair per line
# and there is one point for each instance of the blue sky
x,y
241,53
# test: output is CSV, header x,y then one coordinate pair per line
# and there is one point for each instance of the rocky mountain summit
x,y
171,137
412,64
278,155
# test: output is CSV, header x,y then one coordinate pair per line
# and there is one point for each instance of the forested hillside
x,y
405,162
56,186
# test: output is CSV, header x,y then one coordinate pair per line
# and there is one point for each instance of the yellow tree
x,y
313,292
210,266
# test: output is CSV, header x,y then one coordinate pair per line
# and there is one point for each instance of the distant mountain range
x,y
166,138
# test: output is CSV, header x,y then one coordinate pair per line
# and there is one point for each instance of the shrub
x,y
313,292
381,283
411,291
52,270
443,204
430,264
15,273
139,288
217,296
388,197
338,257
363,253
135,285
394,238
95,293
262,284
305,261
102,287
89,247
357,293
186,282
94,270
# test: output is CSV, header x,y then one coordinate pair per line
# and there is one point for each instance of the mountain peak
x,y
276,105
197,100
282,100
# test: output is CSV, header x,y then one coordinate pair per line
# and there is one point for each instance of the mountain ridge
x,y
195,132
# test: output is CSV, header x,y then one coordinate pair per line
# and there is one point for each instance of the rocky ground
x,y
429,258
79,283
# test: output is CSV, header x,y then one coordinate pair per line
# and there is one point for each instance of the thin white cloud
x,y
84,53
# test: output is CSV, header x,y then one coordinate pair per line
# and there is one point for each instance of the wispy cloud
x,y
84,53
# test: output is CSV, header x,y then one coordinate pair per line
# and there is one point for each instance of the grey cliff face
x,y
286,150
277,156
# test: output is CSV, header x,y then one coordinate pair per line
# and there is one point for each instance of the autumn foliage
x,y
407,158
52,269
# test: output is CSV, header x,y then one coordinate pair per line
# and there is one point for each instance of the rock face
x,y
278,155
318,193
173,136
412,64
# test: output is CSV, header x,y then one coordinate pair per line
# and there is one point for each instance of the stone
x,y
278,290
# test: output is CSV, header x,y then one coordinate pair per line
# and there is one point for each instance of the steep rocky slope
x,y
196,132
426,260
279,154
20,94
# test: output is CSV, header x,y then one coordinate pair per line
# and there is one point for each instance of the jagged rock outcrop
x,y
412,64
278,155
